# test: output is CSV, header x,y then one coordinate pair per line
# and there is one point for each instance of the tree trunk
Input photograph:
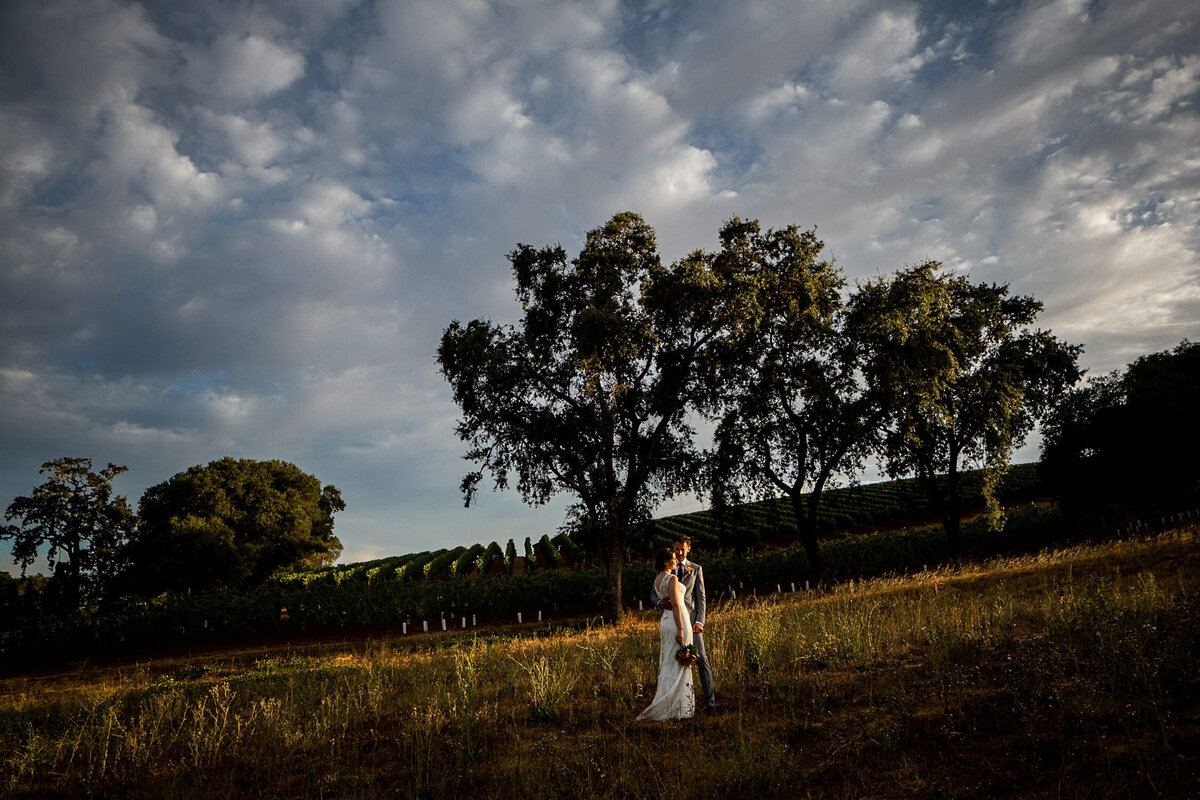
x,y
75,591
953,520
808,533
612,562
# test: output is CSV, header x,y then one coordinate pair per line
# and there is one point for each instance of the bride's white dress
x,y
673,699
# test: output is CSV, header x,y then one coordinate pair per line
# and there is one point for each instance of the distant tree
x,y
75,515
10,593
1129,438
963,378
589,394
26,598
549,551
796,412
231,523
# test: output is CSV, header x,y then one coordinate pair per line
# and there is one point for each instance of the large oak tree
x,y
231,523
76,517
961,374
590,392
796,412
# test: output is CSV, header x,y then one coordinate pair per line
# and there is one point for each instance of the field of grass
x,y
1071,673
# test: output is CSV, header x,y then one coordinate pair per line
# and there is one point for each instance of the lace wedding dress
x,y
673,699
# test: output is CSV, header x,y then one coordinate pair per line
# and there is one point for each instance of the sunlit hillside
x,y
1069,673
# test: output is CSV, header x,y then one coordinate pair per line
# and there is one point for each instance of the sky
x,y
240,229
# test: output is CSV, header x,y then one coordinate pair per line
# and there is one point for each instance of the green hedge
x,y
320,604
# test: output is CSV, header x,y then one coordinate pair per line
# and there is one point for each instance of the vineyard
x,y
864,527
853,509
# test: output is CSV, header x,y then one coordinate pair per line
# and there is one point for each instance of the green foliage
x,y
589,393
960,375
860,508
793,410
468,558
510,556
289,604
549,685
395,589
483,564
546,545
569,549
75,515
443,561
231,523
1130,438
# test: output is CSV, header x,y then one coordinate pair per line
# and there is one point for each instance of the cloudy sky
x,y
240,228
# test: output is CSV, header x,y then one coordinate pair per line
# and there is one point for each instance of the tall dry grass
x,y
1070,673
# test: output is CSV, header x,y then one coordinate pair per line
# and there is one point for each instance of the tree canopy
x,y
962,377
795,411
589,392
76,516
231,523
1129,437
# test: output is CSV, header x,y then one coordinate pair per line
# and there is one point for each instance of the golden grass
x,y
1066,674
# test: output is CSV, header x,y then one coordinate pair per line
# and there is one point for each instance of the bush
x,y
549,550
570,550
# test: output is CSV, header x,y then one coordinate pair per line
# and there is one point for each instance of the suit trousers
x,y
706,677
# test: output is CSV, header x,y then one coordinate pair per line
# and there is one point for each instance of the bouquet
x,y
687,655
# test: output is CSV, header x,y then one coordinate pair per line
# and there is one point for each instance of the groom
x,y
692,578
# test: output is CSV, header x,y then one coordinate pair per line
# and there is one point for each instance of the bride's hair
x,y
661,557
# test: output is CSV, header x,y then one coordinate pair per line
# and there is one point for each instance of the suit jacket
x,y
693,591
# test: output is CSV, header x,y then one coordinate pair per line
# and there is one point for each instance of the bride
x,y
673,699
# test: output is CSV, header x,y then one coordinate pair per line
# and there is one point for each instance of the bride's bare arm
x,y
677,608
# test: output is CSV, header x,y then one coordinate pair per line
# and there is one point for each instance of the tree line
x,y
228,524
596,389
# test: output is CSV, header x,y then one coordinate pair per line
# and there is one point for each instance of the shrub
x,y
549,550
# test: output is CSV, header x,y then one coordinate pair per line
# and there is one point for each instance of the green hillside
x,y
883,506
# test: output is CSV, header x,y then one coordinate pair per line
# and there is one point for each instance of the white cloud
x,y
682,180
882,52
1041,32
239,230
328,204
1175,81
254,142
243,67
25,159
140,155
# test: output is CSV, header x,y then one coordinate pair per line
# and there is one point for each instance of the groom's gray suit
x,y
692,578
